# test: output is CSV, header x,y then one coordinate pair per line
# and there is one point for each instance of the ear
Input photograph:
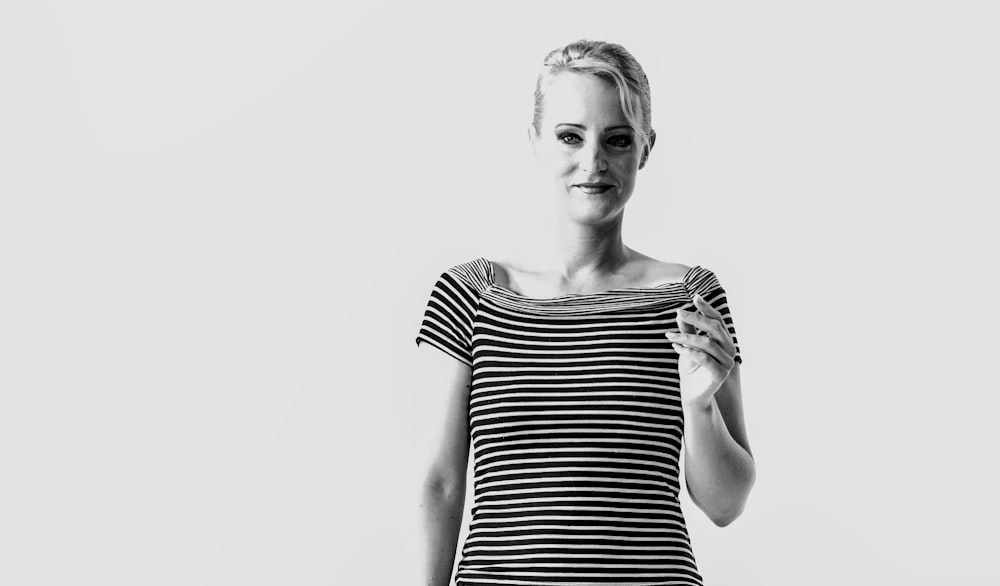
x,y
647,148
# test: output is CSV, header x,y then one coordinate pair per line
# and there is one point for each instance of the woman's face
x,y
586,146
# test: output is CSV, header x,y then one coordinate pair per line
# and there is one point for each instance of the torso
x,y
575,412
641,272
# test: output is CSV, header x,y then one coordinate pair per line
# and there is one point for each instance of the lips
x,y
593,188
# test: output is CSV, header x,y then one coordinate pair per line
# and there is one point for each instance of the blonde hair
x,y
610,62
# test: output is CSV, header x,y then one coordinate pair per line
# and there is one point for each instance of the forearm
x,y
719,472
441,522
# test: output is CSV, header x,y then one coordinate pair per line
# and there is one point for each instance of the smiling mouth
x,y
592,188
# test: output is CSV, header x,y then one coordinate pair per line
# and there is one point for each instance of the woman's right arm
x,y
441,444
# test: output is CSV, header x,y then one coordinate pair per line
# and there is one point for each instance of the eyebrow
x,y
608,129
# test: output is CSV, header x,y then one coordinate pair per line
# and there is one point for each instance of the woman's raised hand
x,y
705,360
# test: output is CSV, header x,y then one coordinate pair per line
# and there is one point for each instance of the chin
x,y
595,214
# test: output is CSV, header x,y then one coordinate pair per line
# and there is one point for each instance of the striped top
x,y
576,429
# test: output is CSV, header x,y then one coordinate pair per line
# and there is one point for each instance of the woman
x,y
576,377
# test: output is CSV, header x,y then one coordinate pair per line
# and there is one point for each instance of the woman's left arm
x,y
718,464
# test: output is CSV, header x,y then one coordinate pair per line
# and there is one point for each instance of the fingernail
x,y
672,335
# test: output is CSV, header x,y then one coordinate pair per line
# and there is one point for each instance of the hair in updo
x,y
610,62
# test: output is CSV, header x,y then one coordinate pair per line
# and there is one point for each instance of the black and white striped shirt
x,y
576,429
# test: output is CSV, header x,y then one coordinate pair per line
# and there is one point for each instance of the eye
x,y
621,141
568,138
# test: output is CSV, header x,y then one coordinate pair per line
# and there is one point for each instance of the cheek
x,y
559,163
627,164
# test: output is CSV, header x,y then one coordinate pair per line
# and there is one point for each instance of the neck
x,y
584,251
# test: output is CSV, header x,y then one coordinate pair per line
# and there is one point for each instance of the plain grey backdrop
x,y
220,222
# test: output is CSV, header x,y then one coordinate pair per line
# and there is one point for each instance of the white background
x,y
220,222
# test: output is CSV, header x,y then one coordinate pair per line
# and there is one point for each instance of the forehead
x,y
581,98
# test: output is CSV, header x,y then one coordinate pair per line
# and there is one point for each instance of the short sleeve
x,y
449,316
704,282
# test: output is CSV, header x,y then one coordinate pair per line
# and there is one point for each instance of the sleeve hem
x,y
443,348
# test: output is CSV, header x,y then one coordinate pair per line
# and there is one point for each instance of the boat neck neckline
x,y
653,288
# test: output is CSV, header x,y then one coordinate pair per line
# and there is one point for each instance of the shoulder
x,y
704,282
509,272
660,272
696,278
655,272
501,271
474,275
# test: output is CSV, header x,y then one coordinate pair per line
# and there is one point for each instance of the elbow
x,y
444,487
723,511
720,514
725,518
723,522
735,509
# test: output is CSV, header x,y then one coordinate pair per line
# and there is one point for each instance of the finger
x,y
719,350
706,307
706,360
704,323
682,322
713,328
699,357
690,340
724,336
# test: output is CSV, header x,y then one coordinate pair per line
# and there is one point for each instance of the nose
x,y
593,158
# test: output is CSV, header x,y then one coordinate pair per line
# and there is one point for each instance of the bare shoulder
x,y
657,272
517,274
501,272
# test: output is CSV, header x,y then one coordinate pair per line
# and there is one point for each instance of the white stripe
x,y
601,529
609,479
556,375
604,432
580,546
561,499
556,450
579,422
484,370
564,440
564,538
667,354
594,459
551,361
615,403
536,416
